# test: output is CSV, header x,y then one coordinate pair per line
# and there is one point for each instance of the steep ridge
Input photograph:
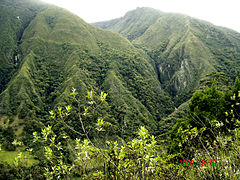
x,y
15,16
61,51
184,49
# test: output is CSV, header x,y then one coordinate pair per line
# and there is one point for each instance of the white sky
x,y
219,12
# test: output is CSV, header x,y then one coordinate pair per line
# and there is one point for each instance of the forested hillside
x,y
58,51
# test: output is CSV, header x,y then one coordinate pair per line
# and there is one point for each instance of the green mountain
x,y
46,50
57,50
183,49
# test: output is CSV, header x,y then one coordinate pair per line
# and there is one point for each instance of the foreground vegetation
x,y
202,145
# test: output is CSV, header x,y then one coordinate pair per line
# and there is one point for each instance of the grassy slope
x,y
61,51
9,157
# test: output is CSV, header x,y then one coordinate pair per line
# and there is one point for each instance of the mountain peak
x,y
144,10
134,23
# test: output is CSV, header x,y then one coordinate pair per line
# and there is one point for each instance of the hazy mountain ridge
x,y
184,49
133,24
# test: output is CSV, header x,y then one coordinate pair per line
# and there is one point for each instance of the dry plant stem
x,y
205,147
203,123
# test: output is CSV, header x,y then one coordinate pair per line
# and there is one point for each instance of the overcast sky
x,y
219,12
